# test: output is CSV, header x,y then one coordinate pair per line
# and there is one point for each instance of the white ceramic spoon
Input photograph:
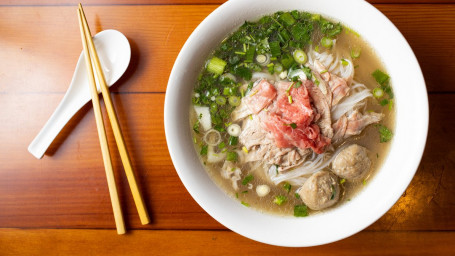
x,y
114,53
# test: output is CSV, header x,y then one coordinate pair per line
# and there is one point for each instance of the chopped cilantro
x,y
287,187
247,179
385,134
297,195
300,210
204,150
231,156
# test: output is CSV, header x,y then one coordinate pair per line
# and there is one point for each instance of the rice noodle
x,y
359,92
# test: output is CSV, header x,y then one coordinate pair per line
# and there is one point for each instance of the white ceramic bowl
x,y
411,105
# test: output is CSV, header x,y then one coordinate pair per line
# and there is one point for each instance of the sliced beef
x,y
354,124
260,96
321,103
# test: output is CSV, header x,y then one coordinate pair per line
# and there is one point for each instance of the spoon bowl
x,y
114,52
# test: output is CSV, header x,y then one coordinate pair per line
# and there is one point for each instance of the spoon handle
x,y
62,114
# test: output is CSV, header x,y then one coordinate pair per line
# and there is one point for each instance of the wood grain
x,y
48,52
177,2
106,242
68,189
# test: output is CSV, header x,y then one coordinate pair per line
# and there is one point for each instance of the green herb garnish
x,y
287,187
385,134
231,156
279,200
300,210
247,179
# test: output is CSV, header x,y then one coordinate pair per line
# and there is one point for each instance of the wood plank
x,y
179,2
67,189
48,52
141,242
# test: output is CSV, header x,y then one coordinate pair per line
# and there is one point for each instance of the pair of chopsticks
x,y
91,54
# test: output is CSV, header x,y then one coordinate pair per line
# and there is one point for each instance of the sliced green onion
x,y
344,62
250,54
278,68
262,59
316,16
234,101
216,66
220,100
287,18
380,77
326,42
300,56
245,204
275,48
240,53
378,92
355,52
233,140
279,200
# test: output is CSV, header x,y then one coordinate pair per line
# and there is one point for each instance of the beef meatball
x,y
320,191
352,163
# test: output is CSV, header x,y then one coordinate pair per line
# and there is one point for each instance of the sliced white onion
x,y
283,74
234,130
297,72
359,92
212,137
205,120
262,190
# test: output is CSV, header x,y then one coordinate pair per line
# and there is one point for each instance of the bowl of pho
x,y
294,122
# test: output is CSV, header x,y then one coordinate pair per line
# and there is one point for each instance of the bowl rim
x,y
185,160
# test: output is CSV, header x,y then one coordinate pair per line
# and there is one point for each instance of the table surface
x,y
60,204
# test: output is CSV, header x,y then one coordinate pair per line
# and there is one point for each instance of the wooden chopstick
x,y
118,216
138,199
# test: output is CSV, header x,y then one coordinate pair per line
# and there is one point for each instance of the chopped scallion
x,y
231,156
216,66
220,100
378,92
326,42
300,56
245,204
355,52
234,101
279,200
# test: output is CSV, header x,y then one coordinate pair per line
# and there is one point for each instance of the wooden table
x,y
60,204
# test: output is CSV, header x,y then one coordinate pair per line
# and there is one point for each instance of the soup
x,y
292,113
